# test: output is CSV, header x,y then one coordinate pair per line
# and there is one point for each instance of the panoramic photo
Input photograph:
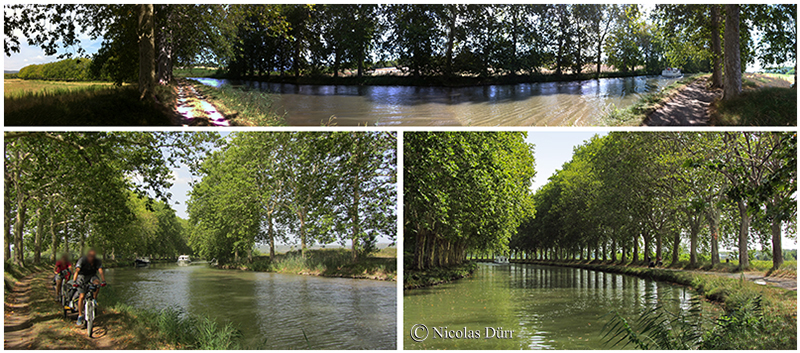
x,y
163,240
400,64
582,240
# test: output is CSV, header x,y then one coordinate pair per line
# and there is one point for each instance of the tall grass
x,y
242,107
70,105
769,106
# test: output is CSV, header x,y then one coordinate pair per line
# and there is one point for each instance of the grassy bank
x,y
431,277
118,326
774,326
52,103
768,106
327,263
408,80
171,328
242,107
636,114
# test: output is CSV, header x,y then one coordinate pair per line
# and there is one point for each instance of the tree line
x,y
464,193
473,40
641,197
301,188
66,191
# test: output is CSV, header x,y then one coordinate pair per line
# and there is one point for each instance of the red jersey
x,y
62,265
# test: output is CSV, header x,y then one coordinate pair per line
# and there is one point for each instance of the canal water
x,y
577,103
271,310
546,307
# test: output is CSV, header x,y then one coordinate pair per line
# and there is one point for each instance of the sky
x,y
29,55
553,149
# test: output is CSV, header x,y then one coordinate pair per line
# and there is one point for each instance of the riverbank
x,y
775,309
413,279
325,263
637,114
33,320
408,80
236,106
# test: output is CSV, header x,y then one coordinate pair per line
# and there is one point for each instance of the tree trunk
x,y
716,47
713,227
777,249
356,223
147,49
301,215
451,33
693,243
53,235
271,236
166,45
37,240
744,233
733,63
7,223
676,248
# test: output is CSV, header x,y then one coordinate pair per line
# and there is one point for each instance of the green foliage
x,y
301,188
464,192
663,195
77,69
78,189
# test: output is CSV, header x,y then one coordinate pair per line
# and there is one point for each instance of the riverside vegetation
x,y
423,44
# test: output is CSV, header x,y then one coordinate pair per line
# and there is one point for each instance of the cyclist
x,y
86,271
62,270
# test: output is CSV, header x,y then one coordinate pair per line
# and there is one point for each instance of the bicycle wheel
x,y
89,317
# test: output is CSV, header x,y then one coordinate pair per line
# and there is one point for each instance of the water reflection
x,y
547,307
271,310
549,103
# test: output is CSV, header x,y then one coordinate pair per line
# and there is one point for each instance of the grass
x,y
242,107
777,325
327,263
433,276
51,103
768,106
636,114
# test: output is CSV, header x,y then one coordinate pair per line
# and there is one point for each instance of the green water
x,y
271,310
546,307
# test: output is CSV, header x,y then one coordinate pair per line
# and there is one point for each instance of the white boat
x,y
184,259
671,72
501,260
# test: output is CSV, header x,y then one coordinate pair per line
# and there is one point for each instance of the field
x,y
55,103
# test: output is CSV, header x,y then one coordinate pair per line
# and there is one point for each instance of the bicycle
x,y
63,297
89,307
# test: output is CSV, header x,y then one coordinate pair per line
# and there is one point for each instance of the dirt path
x,y
195,109
689,107
33,320
757,277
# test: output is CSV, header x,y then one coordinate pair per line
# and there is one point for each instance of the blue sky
x,y
29,55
